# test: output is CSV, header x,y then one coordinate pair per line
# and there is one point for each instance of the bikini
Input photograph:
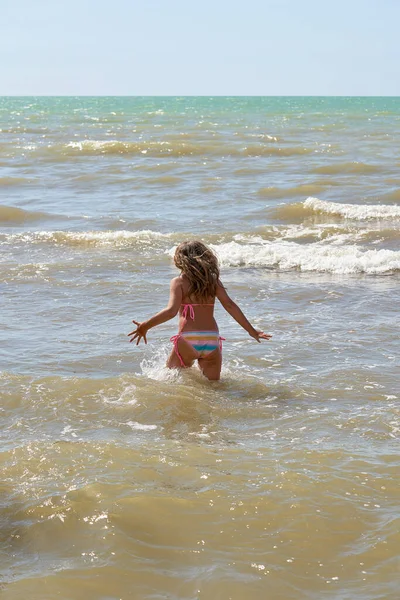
x,y
204,342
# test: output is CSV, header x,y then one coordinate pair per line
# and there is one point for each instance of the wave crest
x,y
299,190
12,181
341,259
359,212
346,168
92,238
90,147
165,147
12,214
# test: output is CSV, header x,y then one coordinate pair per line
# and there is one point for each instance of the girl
x,y
193,294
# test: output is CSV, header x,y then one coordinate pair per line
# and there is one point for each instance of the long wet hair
x,y
200,265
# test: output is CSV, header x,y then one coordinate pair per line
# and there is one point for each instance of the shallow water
x,y
122,479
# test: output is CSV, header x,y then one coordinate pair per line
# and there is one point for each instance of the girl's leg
x,y
211,365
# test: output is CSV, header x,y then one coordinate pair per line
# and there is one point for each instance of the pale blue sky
x,y
212,47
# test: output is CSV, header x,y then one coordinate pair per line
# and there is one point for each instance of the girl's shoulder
x,y
178,284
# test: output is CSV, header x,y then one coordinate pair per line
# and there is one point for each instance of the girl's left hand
x,y
260,335
139,333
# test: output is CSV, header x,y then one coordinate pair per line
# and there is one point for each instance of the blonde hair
x,y
200,265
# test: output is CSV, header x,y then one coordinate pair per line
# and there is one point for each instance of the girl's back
x,y
195,314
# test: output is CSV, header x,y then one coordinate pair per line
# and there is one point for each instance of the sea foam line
x,y
319,257
90,238
353,211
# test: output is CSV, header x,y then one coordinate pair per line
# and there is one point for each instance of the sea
x,y
123,480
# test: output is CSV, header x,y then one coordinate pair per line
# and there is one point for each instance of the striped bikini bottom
x,y
204,342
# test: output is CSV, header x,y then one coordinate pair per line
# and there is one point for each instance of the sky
x,y
212,47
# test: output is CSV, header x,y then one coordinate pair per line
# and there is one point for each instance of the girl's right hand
x,y
260,335
139,333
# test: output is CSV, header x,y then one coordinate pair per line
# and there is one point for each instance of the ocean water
x,y
123,480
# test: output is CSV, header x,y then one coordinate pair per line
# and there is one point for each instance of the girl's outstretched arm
x,y
232,308
175,300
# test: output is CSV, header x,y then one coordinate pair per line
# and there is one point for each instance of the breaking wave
x,y
338,259
91,238
359,212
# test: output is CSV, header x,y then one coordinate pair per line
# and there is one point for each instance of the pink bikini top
x,y
188,308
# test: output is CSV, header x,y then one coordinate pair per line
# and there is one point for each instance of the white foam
x,y
69,429
354,211
127,396
141,426
154,367
98,238
311,257
113,236
92,144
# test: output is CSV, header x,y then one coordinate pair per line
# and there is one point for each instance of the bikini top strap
x,y
188,308
194,304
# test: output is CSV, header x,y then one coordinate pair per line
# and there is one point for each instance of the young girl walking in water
x,y
193,294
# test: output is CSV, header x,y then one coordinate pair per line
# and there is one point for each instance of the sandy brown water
x,y
123,480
